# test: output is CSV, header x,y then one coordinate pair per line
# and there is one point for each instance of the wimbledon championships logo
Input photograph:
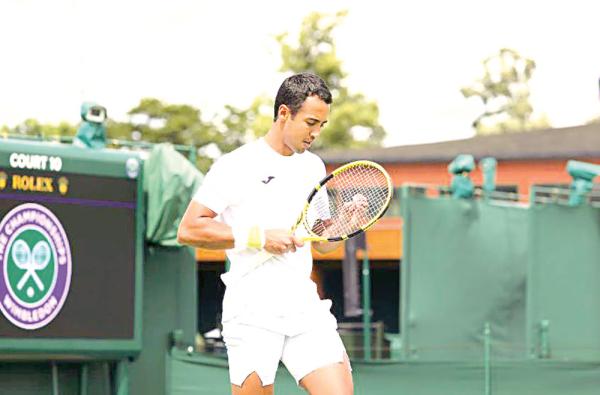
x,y
35,263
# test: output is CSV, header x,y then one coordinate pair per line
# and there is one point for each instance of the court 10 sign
x,y
35,162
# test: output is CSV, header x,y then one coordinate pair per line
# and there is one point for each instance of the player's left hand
x,y
356,207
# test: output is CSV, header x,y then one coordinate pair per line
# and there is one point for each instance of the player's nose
x,y
315,132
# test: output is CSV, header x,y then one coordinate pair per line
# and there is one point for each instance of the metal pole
x,y
106,378
54,379
366,308
83,379
487,348
544,343
122,379
532,195
404,312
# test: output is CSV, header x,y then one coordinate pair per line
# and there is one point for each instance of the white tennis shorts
x,y
254,349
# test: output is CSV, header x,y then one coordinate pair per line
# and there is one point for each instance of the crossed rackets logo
x,y
32,261
35,266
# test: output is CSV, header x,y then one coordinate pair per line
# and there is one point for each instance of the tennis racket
x,y
343,204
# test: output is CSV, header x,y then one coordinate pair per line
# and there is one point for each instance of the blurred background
x,y
481,278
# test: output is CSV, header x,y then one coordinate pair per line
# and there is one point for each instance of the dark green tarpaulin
x,y
169,183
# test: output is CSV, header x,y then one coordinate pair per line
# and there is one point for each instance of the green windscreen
x,y
465,265
564,282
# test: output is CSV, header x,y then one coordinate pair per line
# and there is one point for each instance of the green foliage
x,y
176,123
504,91
252,122
156,122
354,120
33,128
315,50
119,130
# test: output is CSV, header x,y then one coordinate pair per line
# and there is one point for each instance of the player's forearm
x,y
206,233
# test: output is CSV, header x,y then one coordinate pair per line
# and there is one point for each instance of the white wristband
x,y
248,237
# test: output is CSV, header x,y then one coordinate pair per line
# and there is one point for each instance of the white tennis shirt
x,y
255,185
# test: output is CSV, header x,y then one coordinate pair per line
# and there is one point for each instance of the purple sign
x,y
35,266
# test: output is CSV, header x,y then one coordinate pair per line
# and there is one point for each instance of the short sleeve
x,y
319,171
216,192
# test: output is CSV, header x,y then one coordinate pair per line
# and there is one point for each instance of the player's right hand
x,y
280,241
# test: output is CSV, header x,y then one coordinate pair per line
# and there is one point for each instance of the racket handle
x,y
257,260
233,276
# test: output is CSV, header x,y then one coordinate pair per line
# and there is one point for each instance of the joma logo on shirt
x,y
268,180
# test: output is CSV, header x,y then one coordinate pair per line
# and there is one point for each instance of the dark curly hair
x,y
295,89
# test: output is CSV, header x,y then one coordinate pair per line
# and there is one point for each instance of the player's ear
x,y
283,112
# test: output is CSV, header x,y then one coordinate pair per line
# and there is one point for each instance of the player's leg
x,y
253,355
331,379
317,359
334,379
252,386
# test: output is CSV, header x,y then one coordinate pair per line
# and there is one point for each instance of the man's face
x,y
301,130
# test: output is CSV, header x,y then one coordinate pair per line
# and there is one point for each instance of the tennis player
x,y
249,200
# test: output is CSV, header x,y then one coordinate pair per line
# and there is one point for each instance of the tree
x,y
353,123
504,91
252,122
354,120
32,127
156,122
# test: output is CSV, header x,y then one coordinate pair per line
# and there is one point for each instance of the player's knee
x,y
334,379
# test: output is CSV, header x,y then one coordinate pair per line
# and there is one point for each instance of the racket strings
x,y
349,201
